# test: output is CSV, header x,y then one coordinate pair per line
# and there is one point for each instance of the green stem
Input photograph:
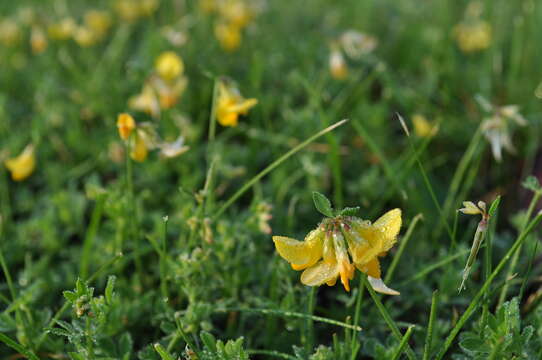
x,y
354,348
430,326
515,259
309,325
212,114
387,318
90,235
485,287
272,166
403,343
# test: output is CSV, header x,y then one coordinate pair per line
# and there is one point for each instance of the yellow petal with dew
x,y
372,268
301,253
321,273
388,225
23,165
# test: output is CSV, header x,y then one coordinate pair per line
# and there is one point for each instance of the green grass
x,y
103,257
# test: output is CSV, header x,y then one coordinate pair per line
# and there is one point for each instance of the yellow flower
x,y
236,12
126,124
473,36
84,36
38,40
337,64
10,32
148,7
230,104
340,245
62,30
23,165
139,149
228,35
98,22
146,101
207,6
169,65
422,127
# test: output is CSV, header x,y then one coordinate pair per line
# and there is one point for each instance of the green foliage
x,y
501,337
322,204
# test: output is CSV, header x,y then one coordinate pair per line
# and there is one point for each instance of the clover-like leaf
x,y
322,204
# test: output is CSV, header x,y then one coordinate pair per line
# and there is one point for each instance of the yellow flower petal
x,y
125,123
470,208
301,253
140,151
169,65
378,285
23,165
388,225
321,273
372,268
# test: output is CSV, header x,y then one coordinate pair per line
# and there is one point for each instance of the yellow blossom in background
x,y
98,21
84,36
236,12
230,104
23,165
169,93
146,101
228,36
148,7
422,127
10,32
207,6
126,124
132,10
337,64
62,30
38,40
169,65
340,245
473,36
140,149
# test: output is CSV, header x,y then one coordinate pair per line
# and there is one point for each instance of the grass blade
x,y
432,317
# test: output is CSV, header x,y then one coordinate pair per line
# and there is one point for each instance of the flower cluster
x,y
163,88
233,17
352,43
338,246
143,137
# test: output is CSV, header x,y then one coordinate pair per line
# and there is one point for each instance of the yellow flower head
x,y
23,165
236,12
146,101
140,147
340,245
228,36
169,65
10,32
84,36
98,21
62,30
126,124
422,127
473,36
38,40
230,104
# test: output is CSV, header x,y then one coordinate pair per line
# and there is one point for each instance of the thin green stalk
x,y
515,259
272,166
485,287
164,355
426,270
401,249
271,353
403,343
308,336
188,342
387,318
163,262
131,214
4,203
212,114
18,347
90,344
90,235
430,326
294,315
353,346
458,177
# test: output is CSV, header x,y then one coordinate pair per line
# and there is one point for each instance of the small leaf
x,y
70,296
494,205
532,183
350,211
109,289
322,204
81,287
209,340
162,352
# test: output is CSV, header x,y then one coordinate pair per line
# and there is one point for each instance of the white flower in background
x,y
496,128
357,44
